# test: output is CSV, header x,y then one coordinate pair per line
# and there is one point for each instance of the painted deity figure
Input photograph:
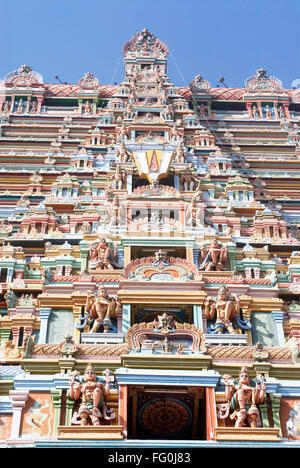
x,y
122,155
225,311
243,399
213,257
160,258
281,112
91,393
187,180
255,111
117,180
101,309
87,107
102,256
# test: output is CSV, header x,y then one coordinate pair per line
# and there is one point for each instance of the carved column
x,y
277,316
263,408
123,397
44,316
4,335
211,414
197,316
275,399
126,318
56,399
18,400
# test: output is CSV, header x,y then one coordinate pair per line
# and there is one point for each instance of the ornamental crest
x,y
24,76
199,83
144,43
88,81
262,82
153,164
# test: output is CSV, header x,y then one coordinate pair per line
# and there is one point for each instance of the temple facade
x,y
149,259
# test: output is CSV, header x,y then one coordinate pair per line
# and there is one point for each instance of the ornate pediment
x,y
161,268
165,336
261,82
24,76
145,44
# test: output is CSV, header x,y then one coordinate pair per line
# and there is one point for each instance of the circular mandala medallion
x,y
165,416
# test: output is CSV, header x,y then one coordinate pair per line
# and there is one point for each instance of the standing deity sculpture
x,y
91,393
117,180
179,154
122,154
243,399
225,312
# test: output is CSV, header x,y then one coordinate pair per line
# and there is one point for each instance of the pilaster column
x,y
18,400
56,399
44,316
277,316
15,335
76,314
126,318
69,409
263,408
211,414
4,335
176,182
123,397
129,183
197,316
275,399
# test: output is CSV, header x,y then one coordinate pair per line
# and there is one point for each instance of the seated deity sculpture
x,y
225,312
160,258
243,398
91,393
213,257
188,181
102,256
99,311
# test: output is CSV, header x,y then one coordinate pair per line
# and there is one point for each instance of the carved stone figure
x,y
225,312
160,258
122,155
243,399
87,108
91,393
188,181
213,257
101,310
102,256
117,180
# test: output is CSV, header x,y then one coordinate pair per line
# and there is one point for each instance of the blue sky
x,y
229,38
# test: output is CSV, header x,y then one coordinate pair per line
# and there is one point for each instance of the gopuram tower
x,y
149,259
